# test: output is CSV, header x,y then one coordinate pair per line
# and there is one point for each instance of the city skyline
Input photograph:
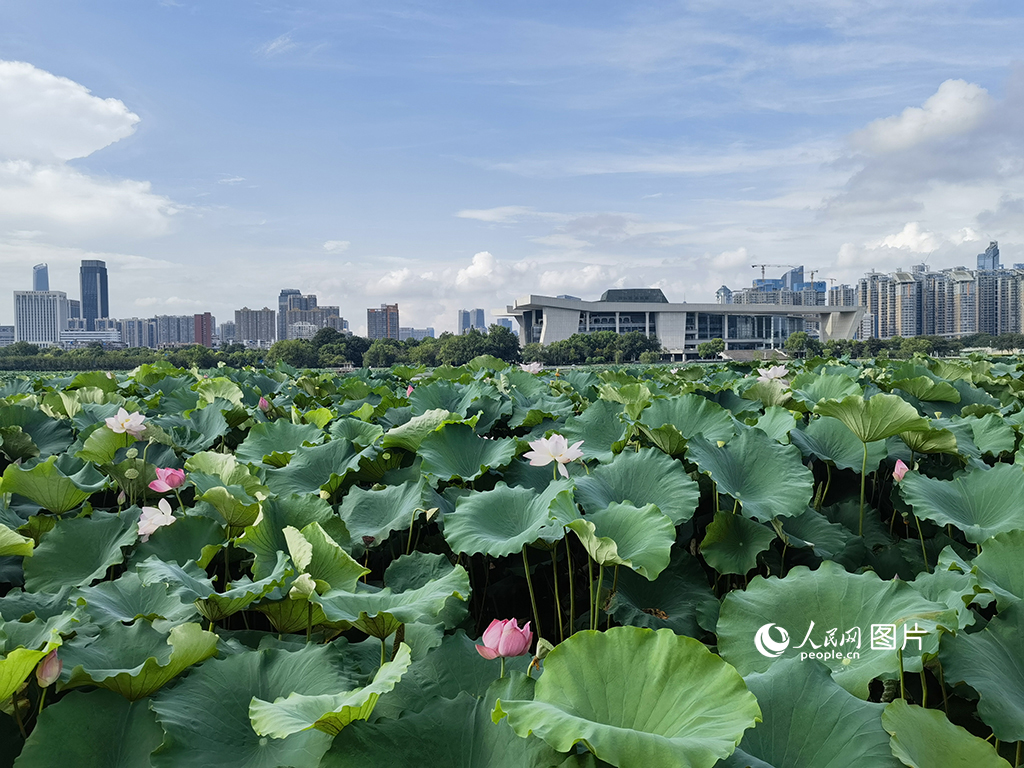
x,y
431,157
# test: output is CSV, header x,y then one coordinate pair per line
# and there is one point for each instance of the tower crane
x,y
762,266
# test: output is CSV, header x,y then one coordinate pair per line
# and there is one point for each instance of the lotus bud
x,y
264,405
505,638
167,479
900,470
408,391
49,669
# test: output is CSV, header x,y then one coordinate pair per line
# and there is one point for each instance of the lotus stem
x,y
903,690
600,580
558,602
181,504
309,621
383,650
1016,760
942,684
502,667
863,472
42,700
714,492
615,588
17,715
412,524
924,690
572,590
920,535
828,482
533,597
590,580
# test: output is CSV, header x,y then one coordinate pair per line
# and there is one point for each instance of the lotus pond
x,y
795,567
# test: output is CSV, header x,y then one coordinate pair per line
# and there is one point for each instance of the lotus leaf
x,y
277,441
375,514
79,550
732,543
636,696
873,419
621,534
265,538
924,738
641,477
829,440
599,427
126,599
316,554
999,567
456,451
688,415
14,544
312,469
57,484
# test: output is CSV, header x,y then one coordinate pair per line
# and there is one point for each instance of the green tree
x,y
296,352
709,350
503,344
383,353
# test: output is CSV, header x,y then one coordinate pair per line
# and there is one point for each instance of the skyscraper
x,y
254,326
990,258
382,323
204,325
93,277
282,312
471,318
40,278
40,316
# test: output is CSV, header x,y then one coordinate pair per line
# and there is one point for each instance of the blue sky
x,y
448,155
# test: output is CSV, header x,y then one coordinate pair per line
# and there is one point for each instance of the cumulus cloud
x,y
336,246
912,238
731,259
47,121
956,108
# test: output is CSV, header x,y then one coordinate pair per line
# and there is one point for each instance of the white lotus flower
x,y
554,448
127,423
155,517
532,367
772,373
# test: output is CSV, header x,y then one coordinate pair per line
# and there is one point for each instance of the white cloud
x,y
958,107
911,238
281,44
52,119
483,270
567,242
501,215
336,246
731,259
231,180
166,302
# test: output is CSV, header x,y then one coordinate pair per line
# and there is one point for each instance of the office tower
x,y
40,278
723,295
416,334
40,316
255,327
506,322
204,325
6,335
93,278
304,311
227,331
74,308
282,312
990,258
471,318
137,332
382,323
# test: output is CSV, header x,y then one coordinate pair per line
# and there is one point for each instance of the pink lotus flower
x,y
504,638
264,405
554,448
125,423
408,391
167,480
532,367
900,470
155,517
49,669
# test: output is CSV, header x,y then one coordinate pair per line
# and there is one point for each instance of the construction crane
x,y
762,266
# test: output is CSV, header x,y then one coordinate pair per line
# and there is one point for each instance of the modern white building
x,y
40,316
679,327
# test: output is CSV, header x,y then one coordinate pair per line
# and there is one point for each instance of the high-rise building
x,y
74,308
227,331
304,310
40,278
416,334
471,318
6,335
137,331
175,330
382,323
95,303
282,311
506,322
40,316
255,327
204,325
990,258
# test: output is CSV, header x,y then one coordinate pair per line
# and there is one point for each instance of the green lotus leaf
x,y
221,387
18,664
503,521
411,434
312,469
828,440
137,660
732,543
224,688
380,613
14,544
98,729
809,720
636,696
229,487
265,538
811,388
329,713
357,432
828,540
999,570
834,600
188,581
930,441
880,417
375,514
928,389
456,451
641,477
79,550
292,613
769,393
992,434
278,441
531,411
992,663
599,427
57,484
453,732
50,436
952,587
16,444
924,738
768,479
684,417
126,599
192,537
777,423
465,399
103,444
621,534
980,502
317,554
242,593
679,598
